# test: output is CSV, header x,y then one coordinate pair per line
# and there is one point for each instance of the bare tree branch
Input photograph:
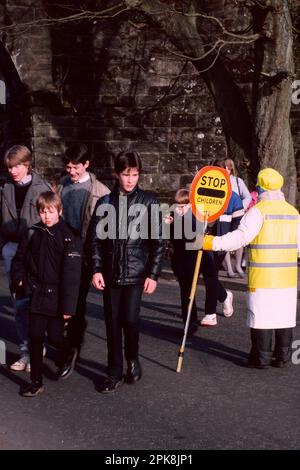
x,y
112,12
79,16
219,22
219,44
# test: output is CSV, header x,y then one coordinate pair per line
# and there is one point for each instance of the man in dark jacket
x,y
79,190
47,266
17,213
126,260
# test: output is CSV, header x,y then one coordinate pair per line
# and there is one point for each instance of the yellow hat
x,y
269,179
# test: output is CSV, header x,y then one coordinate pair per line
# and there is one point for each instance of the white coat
x,y
266,308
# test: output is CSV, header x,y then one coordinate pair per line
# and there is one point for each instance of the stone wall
x,y
115,85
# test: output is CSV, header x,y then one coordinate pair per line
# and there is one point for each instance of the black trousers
x,y
210,266
38,326
77,324
185,284
214,290
262,350
121,310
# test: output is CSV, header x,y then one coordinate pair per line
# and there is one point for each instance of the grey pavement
x,y
214,403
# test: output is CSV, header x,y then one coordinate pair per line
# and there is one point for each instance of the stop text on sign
x,y
212,186
210,193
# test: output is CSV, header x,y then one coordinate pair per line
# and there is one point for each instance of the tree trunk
x,y
234,113
274,67
264,139
183,32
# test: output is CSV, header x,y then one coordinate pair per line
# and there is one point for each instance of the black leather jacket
x,y
121,255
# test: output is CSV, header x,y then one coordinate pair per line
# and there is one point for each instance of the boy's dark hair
x,y
182,196
18,155
47,199
127,160
76,153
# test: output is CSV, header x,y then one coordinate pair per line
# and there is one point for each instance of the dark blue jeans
x,y
21,306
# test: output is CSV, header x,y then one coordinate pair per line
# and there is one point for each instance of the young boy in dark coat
x,y
183,260
47,266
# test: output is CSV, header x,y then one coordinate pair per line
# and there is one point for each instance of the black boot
x,y
111,384
282,356
66,369
134,371
33,389
259,359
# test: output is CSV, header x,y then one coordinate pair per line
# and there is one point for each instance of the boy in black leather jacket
x,y
126,260
47,266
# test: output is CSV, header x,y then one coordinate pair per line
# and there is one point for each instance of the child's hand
x,y
149,286
67,317
168,219
98,281
20,284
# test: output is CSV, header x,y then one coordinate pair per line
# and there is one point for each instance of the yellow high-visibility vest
x,y
273,252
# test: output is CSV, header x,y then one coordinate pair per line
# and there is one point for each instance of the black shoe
x,y
66,369
111,384
255,365
134,372
32,390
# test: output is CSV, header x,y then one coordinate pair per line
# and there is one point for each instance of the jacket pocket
x,y
137,258
44,299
